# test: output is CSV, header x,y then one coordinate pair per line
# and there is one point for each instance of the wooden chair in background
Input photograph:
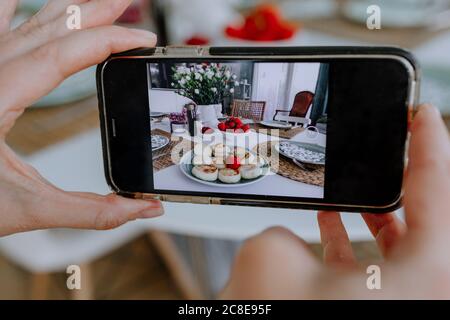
x,y
247,109
302,103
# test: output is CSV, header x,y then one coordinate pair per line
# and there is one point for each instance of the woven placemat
x,y
282,133
39,128
165,157
315,175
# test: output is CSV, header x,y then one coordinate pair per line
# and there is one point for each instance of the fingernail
x,y
144,34
151,212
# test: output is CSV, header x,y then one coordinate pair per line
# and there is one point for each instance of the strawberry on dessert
x,y
233,162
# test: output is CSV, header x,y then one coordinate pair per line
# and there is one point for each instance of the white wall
x,y
269,84
272,82
278,83
304,78
166,101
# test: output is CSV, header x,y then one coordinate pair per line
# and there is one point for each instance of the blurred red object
x,y
197,41
265,23
133,14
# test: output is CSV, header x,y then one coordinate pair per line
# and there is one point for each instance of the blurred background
x,y
188,252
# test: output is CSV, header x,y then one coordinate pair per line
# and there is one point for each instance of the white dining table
x,y
172,177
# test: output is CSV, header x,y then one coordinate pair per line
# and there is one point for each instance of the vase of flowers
x,y
206,84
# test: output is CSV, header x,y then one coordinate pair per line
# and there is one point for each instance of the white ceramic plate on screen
x,y
276,124
186,168
304,152
159,142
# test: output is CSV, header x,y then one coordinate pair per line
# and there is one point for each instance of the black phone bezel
x,y
338,203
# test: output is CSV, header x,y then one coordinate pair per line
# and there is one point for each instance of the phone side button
x,y
187,199
147,196
201,200
113,127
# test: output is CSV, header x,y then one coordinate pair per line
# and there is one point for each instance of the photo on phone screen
x,y
260,129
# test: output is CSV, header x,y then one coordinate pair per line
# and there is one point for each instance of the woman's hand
x,y
277,264
34,59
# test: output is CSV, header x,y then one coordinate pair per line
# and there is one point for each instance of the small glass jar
x,y
177,127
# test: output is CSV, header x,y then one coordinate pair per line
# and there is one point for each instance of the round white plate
x,y
159,142
276,124
186,168
303,152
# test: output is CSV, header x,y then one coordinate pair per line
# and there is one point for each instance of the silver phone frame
x,y
203,52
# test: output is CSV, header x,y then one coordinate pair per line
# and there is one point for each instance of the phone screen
x,y
260,128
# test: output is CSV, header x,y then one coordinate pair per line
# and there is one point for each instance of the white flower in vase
x,y
214,90
236,83
228,74
231,90
198,76
234,77
188,78
197,91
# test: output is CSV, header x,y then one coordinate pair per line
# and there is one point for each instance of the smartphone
x,y
321,128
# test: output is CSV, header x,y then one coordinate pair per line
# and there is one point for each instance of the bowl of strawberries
x,y
235,131
234,126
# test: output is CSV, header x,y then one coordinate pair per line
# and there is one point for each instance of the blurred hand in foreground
x,y
278,265
34,59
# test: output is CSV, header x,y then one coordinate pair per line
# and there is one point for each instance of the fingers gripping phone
x,y
293,127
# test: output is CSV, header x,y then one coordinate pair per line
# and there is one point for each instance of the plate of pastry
x,y
159,142
303,152
221,166
276,124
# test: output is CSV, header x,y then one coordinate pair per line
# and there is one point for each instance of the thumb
x,y
427,183
275,264
92,211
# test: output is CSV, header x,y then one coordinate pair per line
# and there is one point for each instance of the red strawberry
x,y
233,162
222,126
207,130
246,128
238,122
232,125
